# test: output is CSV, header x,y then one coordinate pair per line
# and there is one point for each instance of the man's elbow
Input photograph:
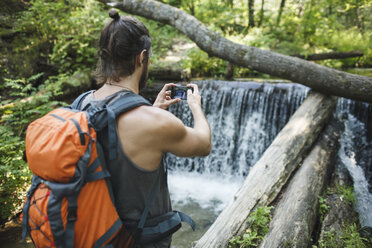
x,y
206,149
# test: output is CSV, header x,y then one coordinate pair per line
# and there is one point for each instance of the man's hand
x,y
193,97
164,100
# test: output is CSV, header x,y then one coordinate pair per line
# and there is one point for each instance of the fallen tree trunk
x,y
168,73
296,214
332,55
267,177
317,77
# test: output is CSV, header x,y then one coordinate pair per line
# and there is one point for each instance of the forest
x,y
48,51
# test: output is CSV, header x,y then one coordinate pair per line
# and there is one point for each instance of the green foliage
x,y
259,222
14,174
348,238
200,64
346,192
323,207
349,235
65,32
28,104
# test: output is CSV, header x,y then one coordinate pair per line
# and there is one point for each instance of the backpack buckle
x,y
72,214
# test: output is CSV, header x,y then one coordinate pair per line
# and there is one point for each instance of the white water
x,y
355,131
203,197
209,191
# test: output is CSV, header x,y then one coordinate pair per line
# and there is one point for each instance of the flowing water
x,y
245,117
355,153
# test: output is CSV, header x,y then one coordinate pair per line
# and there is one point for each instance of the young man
x,y
146,132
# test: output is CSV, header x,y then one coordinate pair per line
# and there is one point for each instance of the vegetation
x,y
294,27
259,222
346,192
349,236
48,47
323,208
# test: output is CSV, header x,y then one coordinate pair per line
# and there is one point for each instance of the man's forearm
x,y
201,126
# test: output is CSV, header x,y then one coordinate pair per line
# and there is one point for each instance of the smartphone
x,y
180,92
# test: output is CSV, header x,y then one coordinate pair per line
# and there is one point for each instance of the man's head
x,y
123,42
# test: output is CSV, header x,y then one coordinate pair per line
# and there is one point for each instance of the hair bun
x,y
114,14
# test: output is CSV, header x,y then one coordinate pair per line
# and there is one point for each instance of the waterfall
x,y
355,153
244,119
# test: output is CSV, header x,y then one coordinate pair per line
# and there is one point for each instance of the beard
x,y
144,77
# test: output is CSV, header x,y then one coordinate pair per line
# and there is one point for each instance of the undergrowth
x,y
27,103
349,236
259,222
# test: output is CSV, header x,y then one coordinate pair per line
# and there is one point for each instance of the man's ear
x,y
141,57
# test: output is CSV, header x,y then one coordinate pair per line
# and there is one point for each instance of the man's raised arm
x,y
189,141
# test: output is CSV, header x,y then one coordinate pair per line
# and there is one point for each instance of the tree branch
x,y
317,77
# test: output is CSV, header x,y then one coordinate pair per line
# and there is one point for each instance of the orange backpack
x,y
70,203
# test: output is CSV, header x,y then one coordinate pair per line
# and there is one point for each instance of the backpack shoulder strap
x,y
114,106
125,101
77,102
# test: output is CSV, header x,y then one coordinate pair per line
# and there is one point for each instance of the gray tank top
x,y
131,184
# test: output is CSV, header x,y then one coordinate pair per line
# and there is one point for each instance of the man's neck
x,y
126,83
111,87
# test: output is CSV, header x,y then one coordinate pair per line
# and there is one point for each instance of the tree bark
x,y
229,75
169,73
332,55
282,3
296,214
317,77
261,13
230,3
251,13
268,176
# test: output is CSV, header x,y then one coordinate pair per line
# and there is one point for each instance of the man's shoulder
x,y
148,117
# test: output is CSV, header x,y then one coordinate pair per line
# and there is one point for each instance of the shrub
x,y
259,222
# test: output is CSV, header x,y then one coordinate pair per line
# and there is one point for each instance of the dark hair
x,y
120,42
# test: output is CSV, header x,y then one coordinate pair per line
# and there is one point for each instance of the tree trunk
x,y
250,13
300,8
282,3
358,21
229,75
317,77
296,214
268,176
261,13
332,55
169,73
191,7
230,3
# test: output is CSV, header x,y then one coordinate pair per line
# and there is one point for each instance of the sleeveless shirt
x,y
131,185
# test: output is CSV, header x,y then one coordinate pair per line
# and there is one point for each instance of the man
x,y
146,132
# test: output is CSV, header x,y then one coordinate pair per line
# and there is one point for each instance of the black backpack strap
x,y
119,105
77,102
127,102
166,225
